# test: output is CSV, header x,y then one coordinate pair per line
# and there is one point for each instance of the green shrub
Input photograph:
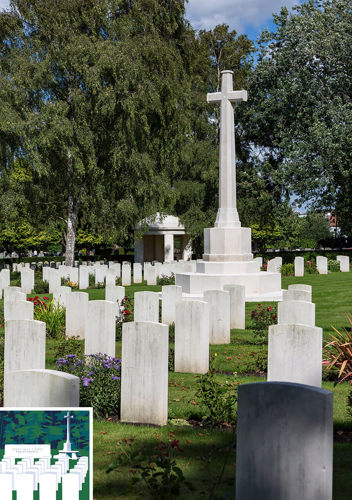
x,y
262,317
92,283
333,266
287,270
69,345
218,401
53,315
100,383
310,267
126,315
15,279
166,280
40,286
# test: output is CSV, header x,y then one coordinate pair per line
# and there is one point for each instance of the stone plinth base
x,y
227,244
239,267
262,286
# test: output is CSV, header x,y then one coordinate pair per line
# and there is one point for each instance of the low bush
x,y
333,266
262,317
310,267
53,315
69,345
217,401
287,270
166,280
100,383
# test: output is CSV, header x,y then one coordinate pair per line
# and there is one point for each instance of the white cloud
x,y
238,14
4,4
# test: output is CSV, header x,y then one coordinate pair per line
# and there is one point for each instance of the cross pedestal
x,y
228,258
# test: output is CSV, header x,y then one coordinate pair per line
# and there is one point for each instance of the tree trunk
x,y
71,232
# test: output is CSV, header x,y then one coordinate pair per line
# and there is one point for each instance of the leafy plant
x,y
338,352
262,317
40,286
166,280
92,283
69,345
99,376
288,270
72,284
216,399
310,267
161,474
126,314
52,314
333,266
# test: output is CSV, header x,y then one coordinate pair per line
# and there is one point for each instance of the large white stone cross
x,y
227,215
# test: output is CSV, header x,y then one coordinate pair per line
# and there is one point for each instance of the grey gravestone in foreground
x,y
284,442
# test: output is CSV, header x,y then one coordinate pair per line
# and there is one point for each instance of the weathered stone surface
x,y
126,274
137,272
18,309
144,373
299,266
284,442
295,354
322,264
146,306
296,312
61,294
219,319
27,280
237,306
83,277
171,296
344,263
100,328
76,314
300,286
295,294
42,388
192,337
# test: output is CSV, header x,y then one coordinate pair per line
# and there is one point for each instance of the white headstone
x,y
42,388
344,263
299,266
171,296
83,277
76,314
296,312
27,280
237,306
126,275
322,264
111,277
100,273
146,306
295,354
293,294
192,337
137,273
219,311
100,328
144,373
18,309
70,487
284,442
305,288
61,294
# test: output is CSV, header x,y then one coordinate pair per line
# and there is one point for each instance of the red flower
x,y
2,326
30,299
127,312
46,298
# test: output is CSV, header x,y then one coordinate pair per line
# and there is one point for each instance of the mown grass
x,y
208,457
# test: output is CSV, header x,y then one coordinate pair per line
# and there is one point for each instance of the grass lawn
x,y
208,456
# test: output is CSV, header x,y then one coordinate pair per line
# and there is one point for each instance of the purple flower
x,y
114,377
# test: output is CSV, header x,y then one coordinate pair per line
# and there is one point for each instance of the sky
x,y
248,17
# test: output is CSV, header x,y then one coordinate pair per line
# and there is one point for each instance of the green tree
x,y
301,114
93,94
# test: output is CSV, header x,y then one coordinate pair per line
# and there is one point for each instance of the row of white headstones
x,y
28,475
275,264
294,368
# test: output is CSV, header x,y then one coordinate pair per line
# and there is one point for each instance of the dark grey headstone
x,y
284,442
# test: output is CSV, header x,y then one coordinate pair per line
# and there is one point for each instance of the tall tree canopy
x,y
92,99
301,118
